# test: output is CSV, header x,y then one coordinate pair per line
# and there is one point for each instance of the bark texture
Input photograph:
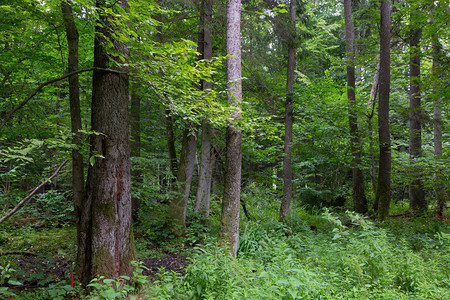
x,y
383,196
288,118
229,221
135,146
207,154
359,195
178,205
105,244
75,111
416,192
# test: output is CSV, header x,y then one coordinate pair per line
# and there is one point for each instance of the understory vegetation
x,y
318,254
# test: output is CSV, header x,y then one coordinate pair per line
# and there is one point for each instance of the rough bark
x,y
105,244
75,110
416,192
383,196
206,155
178,204
205,174
288,118
229,221
359,196
135,146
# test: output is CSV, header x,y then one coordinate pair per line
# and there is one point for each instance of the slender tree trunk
x,y
171,142
178,205
288,117
383,196
229,221
359,196
135,146
106,244
75,111
372,102
440,190
205,174
206,155
416,192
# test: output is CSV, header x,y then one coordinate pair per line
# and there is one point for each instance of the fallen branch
x,y
42,85
27,198
18,252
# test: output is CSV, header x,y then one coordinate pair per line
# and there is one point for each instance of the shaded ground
x,y
41,271
176,263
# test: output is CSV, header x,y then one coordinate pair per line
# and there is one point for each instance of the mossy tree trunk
x,y
105,236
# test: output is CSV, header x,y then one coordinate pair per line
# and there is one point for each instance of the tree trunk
x,y
288,118
383,196
135,146
372,102
207,154
205,174
440,190
75,111
229,221
106,244
171,142
359,196
178,205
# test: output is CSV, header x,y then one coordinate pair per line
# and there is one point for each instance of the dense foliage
x,y
323,250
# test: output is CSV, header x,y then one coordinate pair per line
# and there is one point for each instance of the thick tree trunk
x,y
178,205
207,154
135,146
75,110
383,196
359,196
229,221
288,117
106,245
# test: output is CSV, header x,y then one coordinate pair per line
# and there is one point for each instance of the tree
x,y
178,204
416,192
105,236
383,195
207,154
135,144
229,221
288,117
359,196
75,111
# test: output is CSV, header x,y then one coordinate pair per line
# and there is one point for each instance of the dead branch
x,y
27,198
42,85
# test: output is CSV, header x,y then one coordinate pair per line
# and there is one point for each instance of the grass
x,y
316,255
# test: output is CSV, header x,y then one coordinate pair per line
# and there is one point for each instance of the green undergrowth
x,y
356,259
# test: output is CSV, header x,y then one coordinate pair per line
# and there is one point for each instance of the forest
x,y
224,149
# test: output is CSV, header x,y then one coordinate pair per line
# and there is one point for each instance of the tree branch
x,y
32,94
27,198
